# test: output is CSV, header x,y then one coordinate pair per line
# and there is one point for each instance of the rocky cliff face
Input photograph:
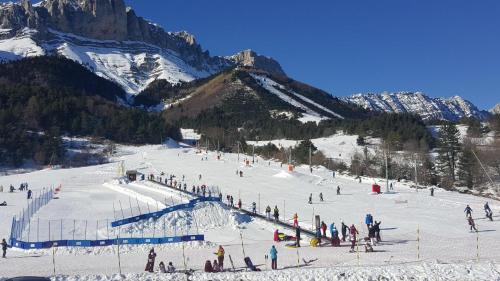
x,y
252,59
496,109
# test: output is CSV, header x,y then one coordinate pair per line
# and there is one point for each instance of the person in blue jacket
x,y
368,220
273,254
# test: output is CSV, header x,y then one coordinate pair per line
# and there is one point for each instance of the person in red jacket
x,y
352,233
323,228
276,236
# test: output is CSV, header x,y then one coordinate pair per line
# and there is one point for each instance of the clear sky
x,y
440,47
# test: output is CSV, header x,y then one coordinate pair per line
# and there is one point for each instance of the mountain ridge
x,y
428,108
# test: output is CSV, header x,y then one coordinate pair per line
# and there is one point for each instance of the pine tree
x,y
448,151
467,166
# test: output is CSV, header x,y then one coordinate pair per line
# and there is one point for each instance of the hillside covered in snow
x,y
428,108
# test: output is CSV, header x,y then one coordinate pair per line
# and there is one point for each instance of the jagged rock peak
x,y
496,109
252,59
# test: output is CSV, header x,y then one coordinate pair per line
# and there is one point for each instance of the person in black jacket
x,y
344,231
4,248
297,236
376,228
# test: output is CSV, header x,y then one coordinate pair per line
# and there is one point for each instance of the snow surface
x,y
339,146
277,89
447,249
131,64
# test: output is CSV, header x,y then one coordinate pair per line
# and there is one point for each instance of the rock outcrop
x,y
252,59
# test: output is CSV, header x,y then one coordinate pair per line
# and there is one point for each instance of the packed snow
x,y
423,237
309,114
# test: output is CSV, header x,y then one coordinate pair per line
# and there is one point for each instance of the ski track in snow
x,y
446,246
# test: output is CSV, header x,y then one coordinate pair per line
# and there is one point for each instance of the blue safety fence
x,y
106,242
158,214
22,222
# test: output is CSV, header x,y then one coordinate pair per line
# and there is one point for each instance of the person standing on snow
x,y
150,265
220,257
352,235
273,254
254,207
276,213
297,236
29,194
468,211
487,210
471,224
310,198
338,189
295,220
268,212
4,248
323,228
376,227
368,221
239,203
321,197
344,231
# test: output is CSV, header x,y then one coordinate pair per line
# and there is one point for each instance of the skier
x,y
468,211
4,248
232,201
12,188
344,231
239,203
199,178
368,221
487,210
254,207
273,254
352,233
432,191
376,226
323,228
268,212
241,174
150,265
371,234
220,257
390,187
295,220
338,189
29,194
472,224
321,196
310,198
276,213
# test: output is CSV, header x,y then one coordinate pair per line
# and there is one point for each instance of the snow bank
x,y
418,271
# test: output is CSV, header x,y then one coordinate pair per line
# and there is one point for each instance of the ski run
x,y
423,237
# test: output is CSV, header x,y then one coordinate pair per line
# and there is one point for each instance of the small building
x,y
131,175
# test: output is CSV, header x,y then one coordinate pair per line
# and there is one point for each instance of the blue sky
x,y
440,47
443,48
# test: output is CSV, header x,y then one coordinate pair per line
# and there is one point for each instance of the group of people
x,y
218,264
470,220
150,265
276,213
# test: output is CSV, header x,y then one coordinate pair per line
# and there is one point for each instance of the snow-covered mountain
x,y
109,39
496,109
428,108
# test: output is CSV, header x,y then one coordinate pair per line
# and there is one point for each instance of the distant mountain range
x,y
109,39
428,108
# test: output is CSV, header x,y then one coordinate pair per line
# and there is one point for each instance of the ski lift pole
x,y
242,246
